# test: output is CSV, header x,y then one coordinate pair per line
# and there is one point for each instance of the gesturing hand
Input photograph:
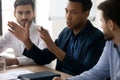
x,y
60,54
22,33
46,37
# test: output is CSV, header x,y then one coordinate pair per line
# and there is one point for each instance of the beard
x,y
23,22
108,37
75,26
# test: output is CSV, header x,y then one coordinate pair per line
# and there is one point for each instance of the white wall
x,y
7,13
97,21
42,18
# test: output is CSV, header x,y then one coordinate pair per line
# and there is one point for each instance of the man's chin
x,y
69,26
108,39
23,24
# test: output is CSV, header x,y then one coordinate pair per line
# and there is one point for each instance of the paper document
x,y
13,74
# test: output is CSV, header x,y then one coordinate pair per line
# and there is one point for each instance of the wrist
x,y
60,54
15,61
28,44
11,61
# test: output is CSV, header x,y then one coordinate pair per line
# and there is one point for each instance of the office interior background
x,y
49,13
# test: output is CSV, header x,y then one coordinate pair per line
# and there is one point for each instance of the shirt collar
x,y
32,27
116,46
85,29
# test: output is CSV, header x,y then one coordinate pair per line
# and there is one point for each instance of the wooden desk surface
x,y
36,68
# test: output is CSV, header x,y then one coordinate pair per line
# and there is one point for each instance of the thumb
x,y
27,26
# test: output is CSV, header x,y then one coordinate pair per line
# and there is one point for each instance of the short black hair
x,y
86,4
111,10
24,2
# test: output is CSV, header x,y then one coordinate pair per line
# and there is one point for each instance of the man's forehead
x,y
74,6
23,7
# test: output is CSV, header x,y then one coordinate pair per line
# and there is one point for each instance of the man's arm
x,y
22,33
41,57
11,61
23,60
60,54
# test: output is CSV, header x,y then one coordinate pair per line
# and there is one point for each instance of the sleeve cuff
x,y
25,61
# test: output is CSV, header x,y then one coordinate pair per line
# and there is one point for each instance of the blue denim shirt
x,y
73,44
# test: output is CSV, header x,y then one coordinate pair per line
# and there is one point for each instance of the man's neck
x,y
80,28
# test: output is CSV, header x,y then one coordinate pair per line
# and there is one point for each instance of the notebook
x,y
44,75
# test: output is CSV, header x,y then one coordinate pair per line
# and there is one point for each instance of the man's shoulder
x,y
96,32
91,29
64,33
95,35
66,29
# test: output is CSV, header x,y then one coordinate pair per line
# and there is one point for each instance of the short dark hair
x,y
24,2
111,10
86,4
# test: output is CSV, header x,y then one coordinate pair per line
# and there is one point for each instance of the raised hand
x,y
46,37
20,32
60,54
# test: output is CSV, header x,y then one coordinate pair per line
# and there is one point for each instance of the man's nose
x,y
68,16
24,16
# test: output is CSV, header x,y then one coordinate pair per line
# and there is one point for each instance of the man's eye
x,y
73,12
28,12
20,13
66,11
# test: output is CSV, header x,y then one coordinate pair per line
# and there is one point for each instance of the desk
x,y
36,68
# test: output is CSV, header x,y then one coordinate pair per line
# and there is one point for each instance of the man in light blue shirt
x,y
109,63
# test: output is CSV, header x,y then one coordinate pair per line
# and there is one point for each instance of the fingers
x,y
40,29
43,32
57,78
12,28
27,25
12,25
11,31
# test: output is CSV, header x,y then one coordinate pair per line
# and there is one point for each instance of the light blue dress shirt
x,y
108,65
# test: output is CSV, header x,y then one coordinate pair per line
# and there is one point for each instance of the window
x,y
0,19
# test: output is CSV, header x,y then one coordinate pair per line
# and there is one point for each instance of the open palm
x,y
22,33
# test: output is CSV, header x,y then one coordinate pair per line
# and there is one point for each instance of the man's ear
x,y
87,13
34,14
111,25
14,14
